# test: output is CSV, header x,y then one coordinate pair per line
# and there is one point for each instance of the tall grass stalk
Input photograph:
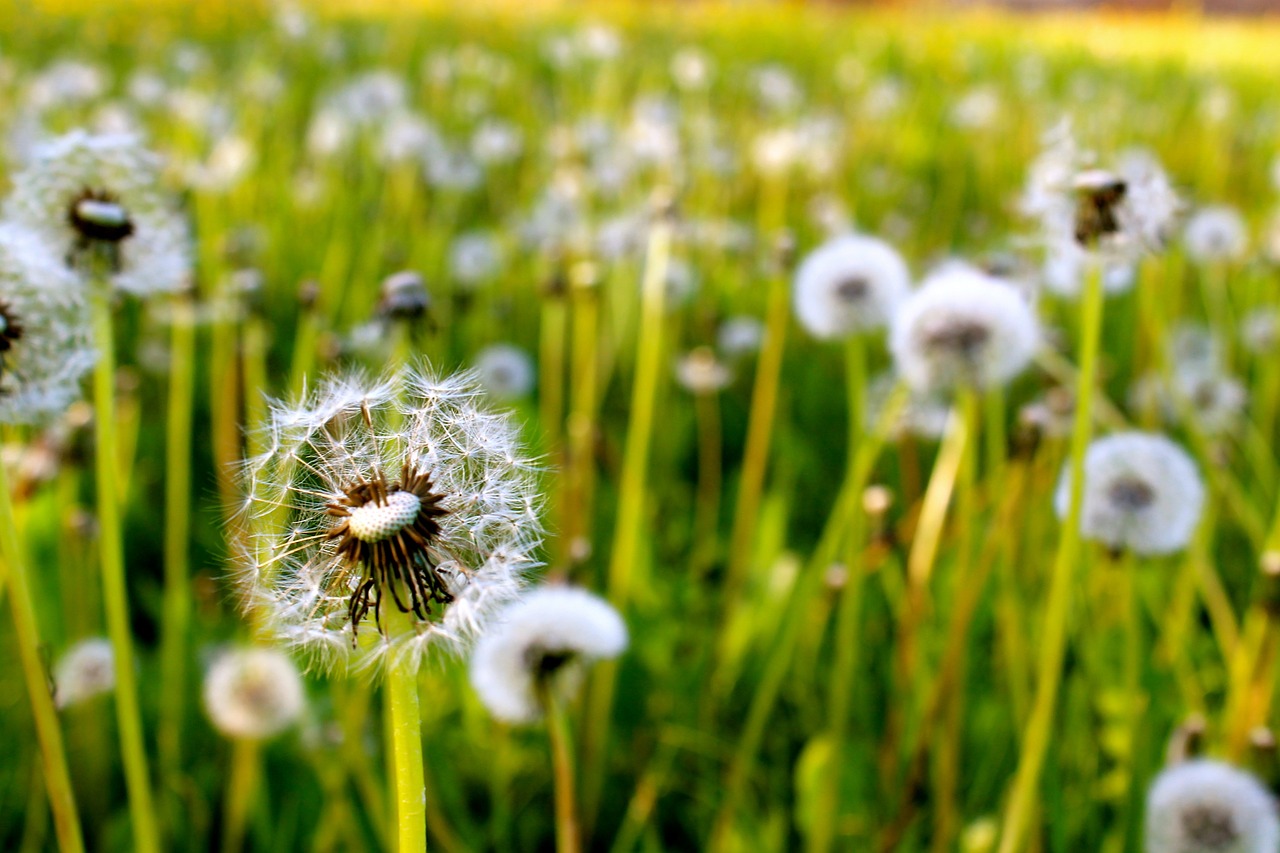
x,y
146,836
1053,640
57,781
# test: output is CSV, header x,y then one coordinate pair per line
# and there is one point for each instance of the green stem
x,y
177,527
568,832
406,737
242,783
829,810
48,731
1053,642
115,596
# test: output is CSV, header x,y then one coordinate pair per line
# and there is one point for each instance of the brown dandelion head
x,y
1098,195
1209,827
389,532
99,217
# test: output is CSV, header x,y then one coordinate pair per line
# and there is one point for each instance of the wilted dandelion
x,y
253,693
86,670
849,284
403,493
963,327
542,642
1142,492
1208,806
96,200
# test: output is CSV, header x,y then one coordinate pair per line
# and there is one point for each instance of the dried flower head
x,y
542,642
97,200
86,670
849,284
963,327
402,493
1141,492
253,693
1207,806
45,345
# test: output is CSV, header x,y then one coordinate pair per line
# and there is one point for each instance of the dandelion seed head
x,y
506,371
1142,492
253,693
849,284
86,670
1216,233
1206,806
963,327
550,634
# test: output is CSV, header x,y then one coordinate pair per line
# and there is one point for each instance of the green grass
x,y
715,727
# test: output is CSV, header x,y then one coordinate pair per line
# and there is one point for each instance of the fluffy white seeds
x,y
505,371
253,693
547,635
1141,492
963,327
86,670
123,180
1216,233
849,284
1210,807
353,430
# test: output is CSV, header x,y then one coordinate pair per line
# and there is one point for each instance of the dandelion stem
x,y
115,595
568,833
829,811
1053,641
48,730
177,528
406,735
242,782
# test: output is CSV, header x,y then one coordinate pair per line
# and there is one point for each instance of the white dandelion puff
x,y
963,327
700,372
849,284
1206,806
404,493
1216,233
547,636
253,693
99,196
86,670
505,371
1141,492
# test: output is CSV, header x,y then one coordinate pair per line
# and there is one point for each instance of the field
x,y
868,606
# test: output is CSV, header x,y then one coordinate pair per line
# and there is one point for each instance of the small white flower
x,y
1141,492
1208,806
1216,233
99,195
253,693
849,284
505,371
963,327
690,68
86,670
547,636
700,372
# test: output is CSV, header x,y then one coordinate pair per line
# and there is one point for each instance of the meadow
x,y
868,603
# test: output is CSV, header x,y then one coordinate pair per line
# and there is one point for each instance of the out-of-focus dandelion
x,y
505,371
1142,492
1206,806
253,693
97,201
1216,233
86,670
700,372
963,327
740,336
850,284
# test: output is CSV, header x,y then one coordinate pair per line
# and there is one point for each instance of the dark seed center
x,y
1131,493
1209,827
963,338
852,288
546,662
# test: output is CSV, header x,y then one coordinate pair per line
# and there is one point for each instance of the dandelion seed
x,y
849,284
543,640
1141,492
86,670
253,693
963,327
98,197
1207,806
402,493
